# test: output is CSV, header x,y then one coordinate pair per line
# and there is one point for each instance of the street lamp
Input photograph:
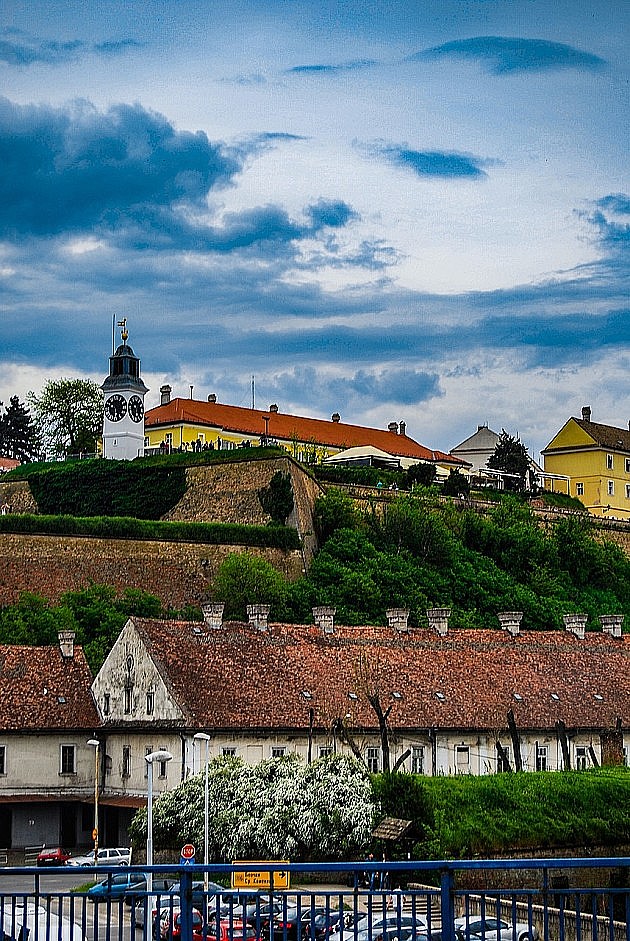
x,y
204,737
96,745
158,756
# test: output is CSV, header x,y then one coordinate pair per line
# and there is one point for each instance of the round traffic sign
x,y
188,851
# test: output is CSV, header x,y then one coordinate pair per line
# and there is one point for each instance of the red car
x,y
54,856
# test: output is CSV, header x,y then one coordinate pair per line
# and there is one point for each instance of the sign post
x,y
260,879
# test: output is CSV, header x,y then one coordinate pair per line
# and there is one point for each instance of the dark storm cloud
x,y
505,54
69,169
20,49
434,163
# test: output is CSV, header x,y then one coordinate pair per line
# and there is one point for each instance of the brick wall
x,y
177,573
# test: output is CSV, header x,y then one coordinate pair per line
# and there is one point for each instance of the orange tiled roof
x,y
249,421
41,689
239,678
8,463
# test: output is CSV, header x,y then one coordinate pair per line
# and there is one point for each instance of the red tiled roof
x,y
249,421
41,689
8,463
240,678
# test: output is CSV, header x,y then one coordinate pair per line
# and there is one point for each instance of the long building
x,y
189,424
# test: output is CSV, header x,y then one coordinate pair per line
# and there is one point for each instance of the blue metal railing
x,y
464,900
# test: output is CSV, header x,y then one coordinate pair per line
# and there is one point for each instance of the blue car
x,y
119,885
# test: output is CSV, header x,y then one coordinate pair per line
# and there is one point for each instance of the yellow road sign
x,y
259,878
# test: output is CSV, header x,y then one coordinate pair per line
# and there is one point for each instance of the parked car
x,y
229,929
119,885
22,921
403,926
169,925
475,928
292,924
114,856
53,856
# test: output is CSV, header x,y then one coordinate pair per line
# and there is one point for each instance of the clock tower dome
x,y
123,406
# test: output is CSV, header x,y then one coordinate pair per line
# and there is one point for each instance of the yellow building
x,y
188,424
596,460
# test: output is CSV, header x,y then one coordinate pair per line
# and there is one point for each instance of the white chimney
x,y
398,618
258,616
324,617
66,644
438,619
611,623
576,624
510,621
213,614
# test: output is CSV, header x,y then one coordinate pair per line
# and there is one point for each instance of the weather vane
x,y
124,333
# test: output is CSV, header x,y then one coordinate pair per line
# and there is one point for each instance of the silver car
x,y
476,928
115,856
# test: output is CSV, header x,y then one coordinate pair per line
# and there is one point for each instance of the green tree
x,y
68,415
335,510
456,484
276,498
244,579
510,456
17,432
422,473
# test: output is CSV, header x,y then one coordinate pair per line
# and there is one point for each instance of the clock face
x,y
115,407
136,408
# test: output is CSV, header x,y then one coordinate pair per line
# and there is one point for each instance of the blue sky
x,y
392,209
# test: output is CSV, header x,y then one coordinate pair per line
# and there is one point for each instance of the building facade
x,y
595,459
189,424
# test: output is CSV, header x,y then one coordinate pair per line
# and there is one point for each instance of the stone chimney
x,y
438,620
393,427
403,427
213,614
336,417
324,617
576,624
66,644
611,624
398,619
165,395
586,413
258,616
510,621
273,409
212,398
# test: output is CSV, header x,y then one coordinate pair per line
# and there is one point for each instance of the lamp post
x,y
204,737
158,756
96,745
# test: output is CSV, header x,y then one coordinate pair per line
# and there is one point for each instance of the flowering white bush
x,y
278,809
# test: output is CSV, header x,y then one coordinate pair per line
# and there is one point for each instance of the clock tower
x,y
123,407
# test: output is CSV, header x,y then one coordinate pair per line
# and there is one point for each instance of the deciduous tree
x,y
68,415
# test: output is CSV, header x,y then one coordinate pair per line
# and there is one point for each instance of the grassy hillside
x,y
467,816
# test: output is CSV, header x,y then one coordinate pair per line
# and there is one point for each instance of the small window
x,y
417,759
68,759
462,759
372,759
611,488
628,465
146,441
147,751
579,490
627,491
126,762
228,751
503,759
108,765
278,751
150,702
106,704
609,462
325,751
3,759
128,699
163,765
541,757
581,757
168,437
